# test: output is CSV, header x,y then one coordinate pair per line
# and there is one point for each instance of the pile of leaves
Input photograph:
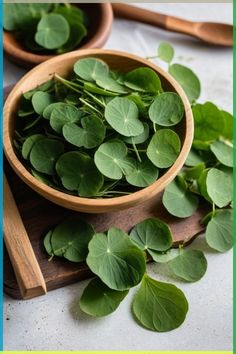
x,y
118,260
101,133
46,28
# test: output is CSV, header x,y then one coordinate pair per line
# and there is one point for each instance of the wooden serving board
x,y
40,215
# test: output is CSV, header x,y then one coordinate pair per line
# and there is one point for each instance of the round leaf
x,y
164,148
219,187
187,79
70,239
223,151
45,153
112,161
90,135
165,52
178,200
64,114
189,265
122,115
143,79
164,257
167,109
159,306
53,31
219,231
91,69
47,243
116,260
138,139
28,144
143,174
79,173
99,300
152,234
48,110
193,159
40,100
108,83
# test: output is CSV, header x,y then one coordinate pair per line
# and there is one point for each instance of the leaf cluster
x,y
44,27
99,133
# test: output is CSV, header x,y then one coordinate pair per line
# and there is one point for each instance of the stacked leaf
x,y
99,133
44,27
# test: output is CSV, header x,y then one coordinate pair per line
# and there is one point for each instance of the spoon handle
x,y
24,262
170,23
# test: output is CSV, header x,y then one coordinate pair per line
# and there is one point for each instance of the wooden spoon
x,y
212,33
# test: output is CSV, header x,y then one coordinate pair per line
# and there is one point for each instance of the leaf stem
x,y
69,84
136,152
154,127
90,106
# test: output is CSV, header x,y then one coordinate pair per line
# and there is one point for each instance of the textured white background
x,y
52,322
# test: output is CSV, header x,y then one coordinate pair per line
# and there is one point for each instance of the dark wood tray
x,y
39,215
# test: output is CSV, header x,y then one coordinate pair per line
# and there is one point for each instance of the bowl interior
x,y
63,65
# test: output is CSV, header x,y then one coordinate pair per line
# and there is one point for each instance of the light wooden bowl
x,y
63,65
101,17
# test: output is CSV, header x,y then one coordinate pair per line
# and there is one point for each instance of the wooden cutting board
x,y
40,215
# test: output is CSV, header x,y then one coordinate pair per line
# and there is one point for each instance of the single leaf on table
x,y
167,109
187,79
219,187
41,100
63,114
28,144
164,148
152,234
208,122
91,69
89,136
159,306
99,300
116,260
53,31
165,52
223,151
178,200
44,154
143,174
78,172
189,265
70,239
219,231
112,161
143,79
122,115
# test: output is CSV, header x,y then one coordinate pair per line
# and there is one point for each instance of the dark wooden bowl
x,y
101,17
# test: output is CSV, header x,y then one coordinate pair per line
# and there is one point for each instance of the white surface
x,y
51,322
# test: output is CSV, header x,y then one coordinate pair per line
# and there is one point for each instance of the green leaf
x,y
89,136
219,187
99,300
116,260
202,185
164,257
152,234
193,158
64,114
138,139
159,306
208,122
112,161
77,33
143,174
178,200
28,144
91,69
165,52
46,86
48,110
143,79
108,83
193,172
167,109
70,239
223,151
91,87
53,31
79,173
189,265
219,231
45,153
47,243
122,115
187,79
228,125
41,100
164,148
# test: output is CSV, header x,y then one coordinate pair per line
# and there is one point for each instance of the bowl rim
x,y
96,41
89,204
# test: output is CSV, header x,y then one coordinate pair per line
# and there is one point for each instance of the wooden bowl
x,y
101,16
63,65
